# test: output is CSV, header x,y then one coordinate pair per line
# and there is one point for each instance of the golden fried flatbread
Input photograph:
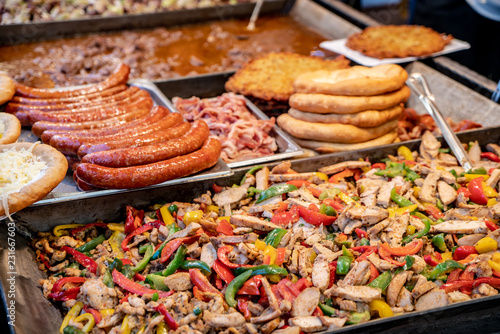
x,y
324,147
355,81
341,104
333,133
398,41
11,128
363,119
271,76
53,173
7,88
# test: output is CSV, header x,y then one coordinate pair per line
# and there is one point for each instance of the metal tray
x,y
67,190
13,34
34,314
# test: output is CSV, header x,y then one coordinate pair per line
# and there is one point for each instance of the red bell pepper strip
x,y
496,273
139,277
136,288
379,165
169,320
361,233
315,191
407,162
282,207
299,183
334,204
243,307
313,207
222,255
465,191
430,260
333,273
218,283
342,175
156,224
133,219
65,295
74,231
286,217
223,271
225,228
316,218
384,254
127,262
172,246
454,275
490,156
363,249
60,283
81,258
202,282
197,293
468,273
432,210
476,191
96,314
303,284
491,225
44,260
280,256
285,291
493,281
317,312
366,253
457,285
251,286
374,273
410,249
137,231
217,189
463,251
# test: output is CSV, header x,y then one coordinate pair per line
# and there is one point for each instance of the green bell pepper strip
x,y
145,260
276,190
327,210
144,248
382,281
250,172
127,271
233,287
157,282
409,261
83,273
365,242
172,208
420,233
329,193
117,264
74,265
274,237
439,204
252,191
179,256
107,279
327,310
442,268
357,318
347,252
190,264
438,241
72,330
264,269
92,244
155,296
343,264
400,200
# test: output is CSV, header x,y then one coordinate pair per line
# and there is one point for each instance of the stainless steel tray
x,y
34,314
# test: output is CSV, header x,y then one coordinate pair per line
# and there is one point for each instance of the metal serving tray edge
x,y
440,320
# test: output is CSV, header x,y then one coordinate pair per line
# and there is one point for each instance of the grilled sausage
x,y
187,143
119,77
150,174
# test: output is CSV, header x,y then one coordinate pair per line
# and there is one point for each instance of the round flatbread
x,y
53,173
7,88
354,81
324,147
363,119
333,133
10,128
340,104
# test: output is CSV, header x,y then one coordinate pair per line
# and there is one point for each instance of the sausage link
x,y
72,99
69,144
82,185
119,77
133,156
148,139
156,114
150,174
39,127
144,100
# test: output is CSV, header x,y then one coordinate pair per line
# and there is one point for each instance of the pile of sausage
x,y
112,135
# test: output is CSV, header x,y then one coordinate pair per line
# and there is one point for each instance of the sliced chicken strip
x,y
375,229
253,222
321,272
433,299
262,179
307,324
470,240
235,319
462,227
405,301
357,293
397,229
334,169
306,302
394,288
368,215
447,193
329,255
423,289
290,177
428,191
356,276
429,146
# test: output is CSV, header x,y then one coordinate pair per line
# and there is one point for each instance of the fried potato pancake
x,y
392,41
271,76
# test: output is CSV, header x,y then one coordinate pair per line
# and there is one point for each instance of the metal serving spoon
x,y
418,83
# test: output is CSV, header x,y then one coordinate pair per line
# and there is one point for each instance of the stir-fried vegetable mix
x,y
287,252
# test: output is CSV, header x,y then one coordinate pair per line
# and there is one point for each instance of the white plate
x,y
338,46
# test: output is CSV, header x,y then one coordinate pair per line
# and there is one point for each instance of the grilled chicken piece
x,y
351,226
405,301
281,168
428,191
495,211
321,272
262,179
268,314
307,324
368,196
253,222
178,282
397,229
470,240
457,296
494,178
417,223
328,254
98,295
447,193
230,196
433,299
304,194
394,288
332,323
235,319
305,265
357,275
347,305
357,293
375,229
368,215
447,159
334,169
305,303
429,147
423,289
462,227
381,265
384,194
235,239
474,152
290,177
208,254
190,230
342,219
288,330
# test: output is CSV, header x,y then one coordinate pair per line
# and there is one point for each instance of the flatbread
x,y
12,128
363,119
354,81
333,133
341,104
270,77
52,175
324,147
7,88
398,41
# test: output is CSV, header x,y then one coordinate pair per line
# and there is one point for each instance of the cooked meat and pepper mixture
x,y
286,252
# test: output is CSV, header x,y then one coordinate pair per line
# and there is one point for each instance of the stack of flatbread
x,y
348,109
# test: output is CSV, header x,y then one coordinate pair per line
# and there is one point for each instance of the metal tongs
x,y
418,83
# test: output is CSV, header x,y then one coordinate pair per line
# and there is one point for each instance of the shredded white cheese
x,y
17,168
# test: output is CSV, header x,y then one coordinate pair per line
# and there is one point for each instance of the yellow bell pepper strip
x,y
494,265
125,328
270,255
491,202
161,328
89,319
489,191
116,227
192,217
321,176
212,208
405,152
470,177
59,229
134,287
115,241
401,211
486,245
106,312
383,309
73,313
166,215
